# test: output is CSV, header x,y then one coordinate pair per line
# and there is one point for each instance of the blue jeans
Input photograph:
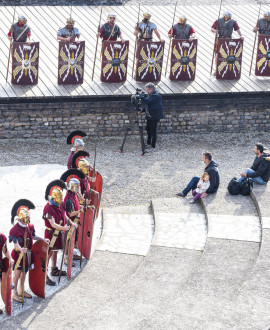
x,y
192,185
258,179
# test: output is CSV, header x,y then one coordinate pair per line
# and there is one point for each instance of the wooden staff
x,y
216,39
63,255
255,40
83,224
23,274
96,44
136,42
10,45
170,40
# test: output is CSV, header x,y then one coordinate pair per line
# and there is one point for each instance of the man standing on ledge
x,y
68,33
20,31
212,169
153,114
110,31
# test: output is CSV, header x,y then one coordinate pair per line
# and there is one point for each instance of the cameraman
x,y
154,113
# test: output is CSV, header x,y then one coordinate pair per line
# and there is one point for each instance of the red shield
x,y
25,63
183,60
85,248
6,285
149,61
70,252
263,56
37,275
97,186
229,59
114,61
71,63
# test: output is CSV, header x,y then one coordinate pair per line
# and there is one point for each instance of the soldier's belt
x,y
54,237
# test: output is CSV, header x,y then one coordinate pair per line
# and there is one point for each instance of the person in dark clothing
x,y
153,114
212,169
260,170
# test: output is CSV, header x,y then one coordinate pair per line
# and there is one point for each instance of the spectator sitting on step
x,y
260,170
212,169
202,187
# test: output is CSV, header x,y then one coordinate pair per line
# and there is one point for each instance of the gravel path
x,y
129,178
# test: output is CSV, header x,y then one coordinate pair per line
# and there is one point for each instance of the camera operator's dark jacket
x,y
212,170
154,106
261,166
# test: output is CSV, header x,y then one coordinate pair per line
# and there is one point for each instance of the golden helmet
x,y
73,178
21,210
54,191
84,166
70,21
22,19
182,19
79,161
111,15
146,14
57,195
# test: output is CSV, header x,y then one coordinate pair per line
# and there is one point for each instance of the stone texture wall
x,y
110,116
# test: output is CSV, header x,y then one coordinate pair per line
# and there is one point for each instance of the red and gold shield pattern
x,y
114,61
37,275
25,58
183,60
229,59
6,285
149,61
71,63
263,56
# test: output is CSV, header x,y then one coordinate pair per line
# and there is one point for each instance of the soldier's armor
x,y
64,33
107,31
181,31
225,30
146,30
17,30
264,26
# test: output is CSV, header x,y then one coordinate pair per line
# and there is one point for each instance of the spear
x,y
136,42
215,43
255,40
24,257
96,44
10,45
170,40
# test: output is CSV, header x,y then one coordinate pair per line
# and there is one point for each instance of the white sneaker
x,y
191,201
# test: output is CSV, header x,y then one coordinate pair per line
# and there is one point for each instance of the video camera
x,y
138,100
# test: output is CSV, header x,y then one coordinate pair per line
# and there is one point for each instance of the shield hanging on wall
x,y
263,56
149,61
25,58
229,59
183,60
114,61
71,63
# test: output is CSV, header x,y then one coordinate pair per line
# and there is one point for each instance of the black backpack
x,y
246,186
234,187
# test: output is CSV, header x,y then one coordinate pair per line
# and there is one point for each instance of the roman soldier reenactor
x,y
56,223
263,24
22,235
69,32
76,139
144,30
20,31
224,28
3,250
182,30
110,31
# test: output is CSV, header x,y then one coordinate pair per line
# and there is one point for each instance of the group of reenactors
x,y
144,31
65,219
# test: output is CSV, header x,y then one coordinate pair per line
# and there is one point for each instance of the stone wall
x,y
59,2
110,116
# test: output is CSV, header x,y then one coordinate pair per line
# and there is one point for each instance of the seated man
x,y
260,170
212,169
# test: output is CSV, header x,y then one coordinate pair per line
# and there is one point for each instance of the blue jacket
x,y
154,106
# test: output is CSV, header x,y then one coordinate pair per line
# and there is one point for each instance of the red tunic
x,y
73,197
69,162
3,240
28,34
16,235
58,213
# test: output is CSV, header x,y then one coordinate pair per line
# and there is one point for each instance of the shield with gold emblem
x,y
263,56
71,63
229,59
183,60
114,61
149,61
25,59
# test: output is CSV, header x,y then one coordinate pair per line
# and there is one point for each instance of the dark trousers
x,y
192,185
151,129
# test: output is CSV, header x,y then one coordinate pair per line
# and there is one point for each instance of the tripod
x,y
137,121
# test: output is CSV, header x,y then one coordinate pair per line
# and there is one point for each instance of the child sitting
x,y
202,186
